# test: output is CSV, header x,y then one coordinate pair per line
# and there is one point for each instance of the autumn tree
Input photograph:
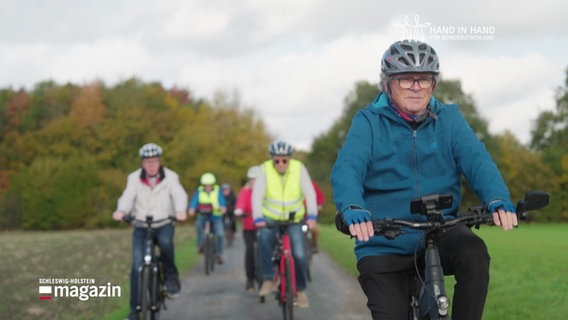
x,y
71,147
550,137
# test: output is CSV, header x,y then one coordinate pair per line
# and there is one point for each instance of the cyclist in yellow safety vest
x,y
280,188
209,199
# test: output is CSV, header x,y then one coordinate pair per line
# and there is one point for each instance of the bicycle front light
x,y
147,259
305,228
443,305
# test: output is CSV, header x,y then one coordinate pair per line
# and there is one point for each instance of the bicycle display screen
x,y
430,203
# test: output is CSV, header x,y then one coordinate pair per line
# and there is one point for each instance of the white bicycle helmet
x,y
253,172
280,148
150,150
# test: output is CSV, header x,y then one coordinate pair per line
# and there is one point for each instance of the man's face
x,y
411,92
151,166
281,163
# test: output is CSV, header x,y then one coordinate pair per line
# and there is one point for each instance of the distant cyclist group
x,y
275,190
404,145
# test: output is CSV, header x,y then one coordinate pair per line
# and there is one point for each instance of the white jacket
x,y
165,199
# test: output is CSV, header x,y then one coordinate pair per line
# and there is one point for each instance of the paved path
x,y
333,294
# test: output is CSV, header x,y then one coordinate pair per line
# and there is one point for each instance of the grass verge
x,y
102,255
529,268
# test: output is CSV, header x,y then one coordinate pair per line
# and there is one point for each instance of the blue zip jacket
x,y
385,163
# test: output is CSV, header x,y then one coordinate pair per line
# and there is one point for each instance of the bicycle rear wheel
x,y
288,299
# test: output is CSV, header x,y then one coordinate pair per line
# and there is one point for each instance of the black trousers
x,y
388,281
250,238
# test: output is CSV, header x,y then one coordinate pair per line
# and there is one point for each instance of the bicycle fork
x,y
433,299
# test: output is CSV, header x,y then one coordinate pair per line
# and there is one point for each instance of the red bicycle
x,y
285,275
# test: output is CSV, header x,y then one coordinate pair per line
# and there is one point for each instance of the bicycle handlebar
x,y
149,220
391,228
275,224
283,223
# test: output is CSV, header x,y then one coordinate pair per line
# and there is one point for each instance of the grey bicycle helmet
x,y
409,56
150,150
280,148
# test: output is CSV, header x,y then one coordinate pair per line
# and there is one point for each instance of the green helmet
x,y
208,179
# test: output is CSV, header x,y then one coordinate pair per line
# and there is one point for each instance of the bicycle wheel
x,y
157,293
145,293
213,252
288,299
229,234
207,247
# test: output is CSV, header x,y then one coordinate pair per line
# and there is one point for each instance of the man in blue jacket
x,y
406,144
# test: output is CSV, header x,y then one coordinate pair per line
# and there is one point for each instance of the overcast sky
x,y
293,61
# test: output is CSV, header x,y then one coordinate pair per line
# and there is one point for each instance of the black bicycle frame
x,y
433,282
151,260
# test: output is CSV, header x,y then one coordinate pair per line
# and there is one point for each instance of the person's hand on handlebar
x,y
118,215
503,214
359,223
260,222
181,216
312,221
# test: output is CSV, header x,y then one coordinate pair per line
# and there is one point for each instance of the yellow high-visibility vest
x,y
210,198
283,192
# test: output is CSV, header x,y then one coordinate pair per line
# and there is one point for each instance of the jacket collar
x,y
381,106
161,174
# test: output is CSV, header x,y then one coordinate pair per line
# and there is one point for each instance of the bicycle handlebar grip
x,y
340,224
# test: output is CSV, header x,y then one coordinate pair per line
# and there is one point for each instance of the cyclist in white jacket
x,y
152,190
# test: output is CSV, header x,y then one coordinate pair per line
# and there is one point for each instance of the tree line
x,y
66,149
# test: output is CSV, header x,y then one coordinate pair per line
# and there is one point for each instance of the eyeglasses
x,y
278,161
407,83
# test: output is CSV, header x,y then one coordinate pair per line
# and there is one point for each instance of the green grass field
x,y
102,255
529,269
